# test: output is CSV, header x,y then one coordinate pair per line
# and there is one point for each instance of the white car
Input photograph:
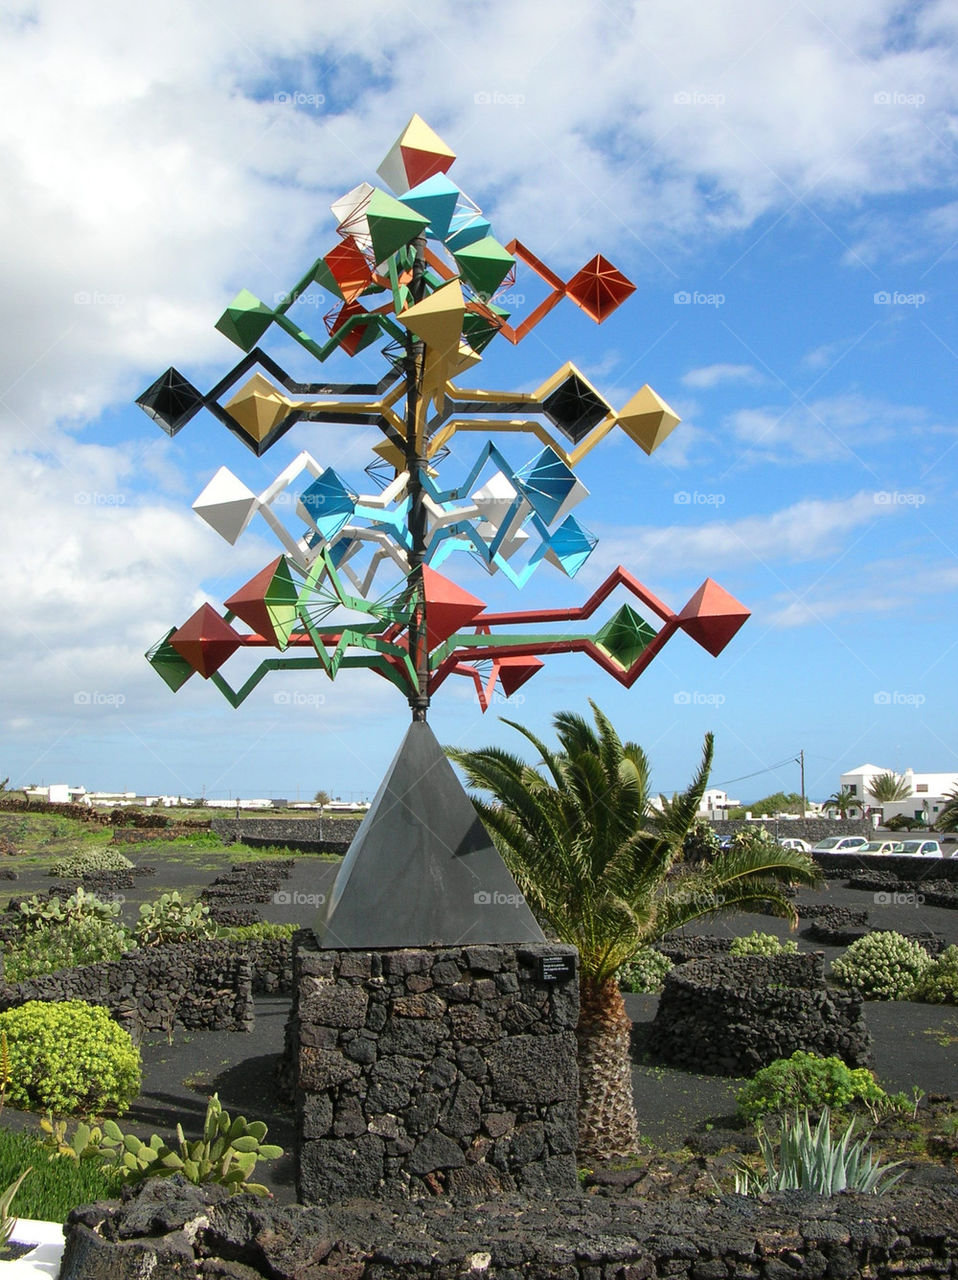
x,y
840,844
919,849
793,842
881,846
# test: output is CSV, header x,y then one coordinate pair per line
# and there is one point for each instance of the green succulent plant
x,y
807,1159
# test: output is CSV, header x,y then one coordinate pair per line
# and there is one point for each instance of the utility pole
x,y
801,765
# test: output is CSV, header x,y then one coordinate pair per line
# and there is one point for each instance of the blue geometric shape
x,y
546,482
571,545
466,227
435,199
328,503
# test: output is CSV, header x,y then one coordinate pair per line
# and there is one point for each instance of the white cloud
x,y
713,375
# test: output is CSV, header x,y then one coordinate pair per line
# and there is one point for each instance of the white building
x,y
715,804
928,792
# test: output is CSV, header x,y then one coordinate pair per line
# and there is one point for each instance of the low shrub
x,y
884,966
939,983
762,944
99,858
645,972
803,1081
807,1159
69,1057
169,920
54,1187
54,934
262,931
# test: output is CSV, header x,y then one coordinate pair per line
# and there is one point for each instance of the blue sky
x,y
789,168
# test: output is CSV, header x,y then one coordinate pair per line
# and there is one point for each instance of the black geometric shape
x,y
575,408
422,870
171,401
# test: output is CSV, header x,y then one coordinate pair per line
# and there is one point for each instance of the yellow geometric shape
x,y
258,407
437,320
647,419
417,154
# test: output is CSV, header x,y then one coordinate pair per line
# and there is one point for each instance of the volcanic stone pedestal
x,y
434,1070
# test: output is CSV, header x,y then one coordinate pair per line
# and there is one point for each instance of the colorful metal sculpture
x,y
420,268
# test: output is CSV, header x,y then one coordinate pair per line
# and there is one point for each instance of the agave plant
x,y
814,1160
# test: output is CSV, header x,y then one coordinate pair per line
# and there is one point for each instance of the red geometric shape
x,y
599,288
514,672
359,336
349,269
420,165
712,617
448,607
205,641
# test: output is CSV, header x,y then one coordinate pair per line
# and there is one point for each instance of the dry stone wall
x,y
421,1071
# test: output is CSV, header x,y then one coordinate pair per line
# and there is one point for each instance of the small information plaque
x,y
555,968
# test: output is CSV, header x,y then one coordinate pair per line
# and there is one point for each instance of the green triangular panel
x,y
391,224
625,636
484,265
245,320
168,664
281,597
326,280
478,330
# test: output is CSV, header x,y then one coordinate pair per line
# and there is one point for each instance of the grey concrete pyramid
x,y
422,869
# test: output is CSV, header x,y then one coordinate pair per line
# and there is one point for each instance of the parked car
x,y
881,846
840,844
919,849
793,842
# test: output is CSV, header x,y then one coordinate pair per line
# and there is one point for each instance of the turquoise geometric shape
x,y
466,227
435,199
546,483
570,546
328,503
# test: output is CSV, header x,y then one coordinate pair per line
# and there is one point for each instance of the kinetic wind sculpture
x,y
427,257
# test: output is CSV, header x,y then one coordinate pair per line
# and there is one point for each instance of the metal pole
x,y
416,462
801,761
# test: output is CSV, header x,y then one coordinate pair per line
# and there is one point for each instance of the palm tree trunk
x,y
607,1121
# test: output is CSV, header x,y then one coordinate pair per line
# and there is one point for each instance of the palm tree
x,y
885,787
602,863
843,800
947,820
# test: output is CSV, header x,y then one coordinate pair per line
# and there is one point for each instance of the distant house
x,y
927,792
